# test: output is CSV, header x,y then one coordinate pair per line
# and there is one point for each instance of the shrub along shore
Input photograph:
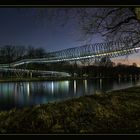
x,y
115,112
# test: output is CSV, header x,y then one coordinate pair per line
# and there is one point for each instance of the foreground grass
x,y
114,112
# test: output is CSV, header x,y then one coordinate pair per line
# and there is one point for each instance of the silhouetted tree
x,y
134,65
105,61
35,52
7,53
20,52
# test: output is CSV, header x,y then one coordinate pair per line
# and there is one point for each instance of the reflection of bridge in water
x,y
90,51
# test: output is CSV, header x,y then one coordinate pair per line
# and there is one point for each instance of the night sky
x,y
24,27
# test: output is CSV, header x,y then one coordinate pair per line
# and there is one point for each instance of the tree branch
x,y
122,22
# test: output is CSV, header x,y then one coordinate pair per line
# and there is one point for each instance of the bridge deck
x,y
98,50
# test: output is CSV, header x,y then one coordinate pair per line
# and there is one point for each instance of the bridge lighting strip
x,y
43,60
97,55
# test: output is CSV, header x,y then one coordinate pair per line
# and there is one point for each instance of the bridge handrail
x,y
82,52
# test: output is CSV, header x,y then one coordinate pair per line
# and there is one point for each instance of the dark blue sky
x,y
24,27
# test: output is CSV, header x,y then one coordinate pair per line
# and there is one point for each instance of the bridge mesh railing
x,y
98,50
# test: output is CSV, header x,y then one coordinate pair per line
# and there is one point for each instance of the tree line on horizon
x,y
11,53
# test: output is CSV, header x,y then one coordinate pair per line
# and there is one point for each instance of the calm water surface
x,y
31,93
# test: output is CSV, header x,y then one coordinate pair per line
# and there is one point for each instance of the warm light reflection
x,y
66,86
52,87
101,82
85,84
119,80
28,89
74,86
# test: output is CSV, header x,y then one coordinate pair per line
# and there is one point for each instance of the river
x,y
21,94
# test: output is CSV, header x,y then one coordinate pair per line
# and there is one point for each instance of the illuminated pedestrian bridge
x,y
88,51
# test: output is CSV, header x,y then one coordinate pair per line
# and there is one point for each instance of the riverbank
x,y
112,112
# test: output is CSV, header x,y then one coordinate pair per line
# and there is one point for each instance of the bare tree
x,y
20,52
7,52
111,22
10,53
32,52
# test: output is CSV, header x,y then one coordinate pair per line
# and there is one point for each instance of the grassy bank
x,y
113,112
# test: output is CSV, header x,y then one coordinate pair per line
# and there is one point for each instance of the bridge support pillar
x,y
30,74
27,74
